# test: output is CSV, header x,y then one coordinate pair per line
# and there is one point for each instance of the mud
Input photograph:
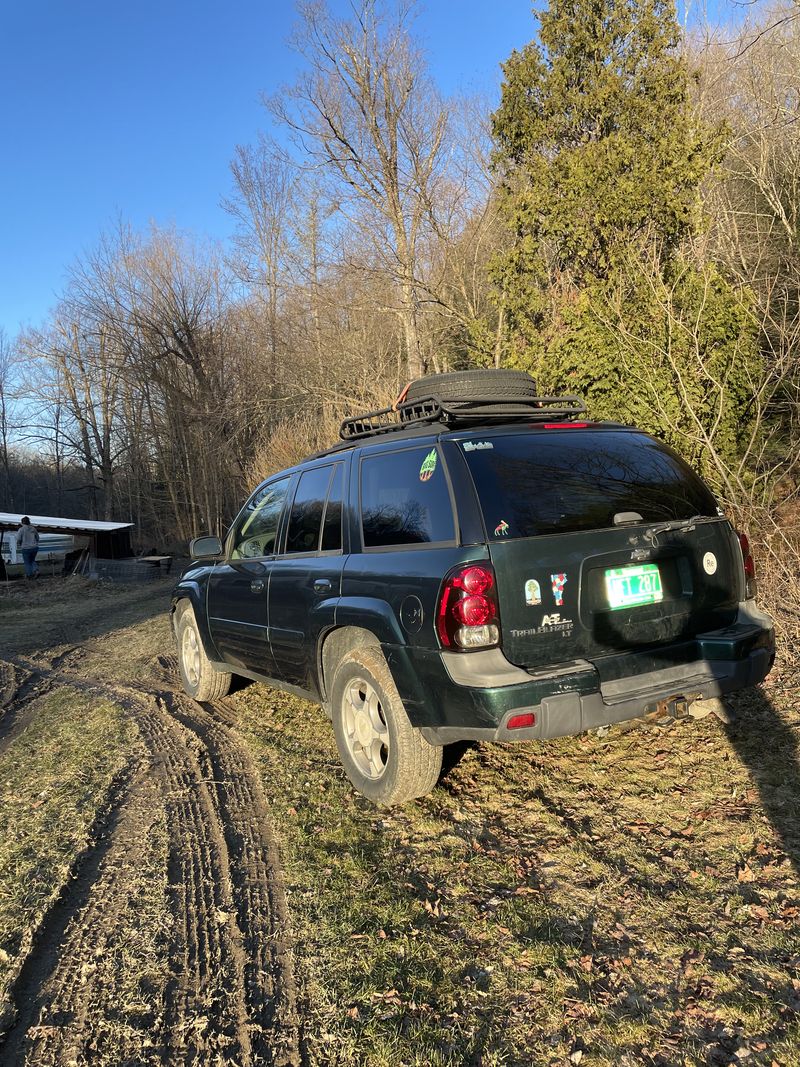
x,y
228,994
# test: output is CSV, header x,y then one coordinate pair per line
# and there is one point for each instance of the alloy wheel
x,y
190,655
365,730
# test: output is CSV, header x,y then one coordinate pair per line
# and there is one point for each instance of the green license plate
x,y
628,587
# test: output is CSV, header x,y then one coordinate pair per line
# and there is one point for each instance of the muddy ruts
x,y
258,890
61,984
19,688
206,1011
230,998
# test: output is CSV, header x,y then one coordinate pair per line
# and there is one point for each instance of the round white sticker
x,y
709,563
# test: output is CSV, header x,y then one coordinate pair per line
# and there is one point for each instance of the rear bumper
x,y
476,694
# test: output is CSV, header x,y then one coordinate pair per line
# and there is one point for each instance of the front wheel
x,y
385,757
198,677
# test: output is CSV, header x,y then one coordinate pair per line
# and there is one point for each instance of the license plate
x,y
629,587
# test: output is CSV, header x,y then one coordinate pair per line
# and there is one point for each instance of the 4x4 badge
x,y
428,466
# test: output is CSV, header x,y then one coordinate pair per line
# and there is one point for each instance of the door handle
x,y
257,585
322,585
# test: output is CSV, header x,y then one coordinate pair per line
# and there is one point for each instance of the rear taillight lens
x,y
750,584
466,615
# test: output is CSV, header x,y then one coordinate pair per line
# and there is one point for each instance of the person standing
x,y
28,544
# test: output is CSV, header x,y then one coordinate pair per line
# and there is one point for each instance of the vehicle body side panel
x,y
298,614
192,586
237,613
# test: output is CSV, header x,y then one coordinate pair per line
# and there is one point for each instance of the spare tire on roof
x,y
474,385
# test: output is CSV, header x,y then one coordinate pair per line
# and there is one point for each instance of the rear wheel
x,y
198,677
385,757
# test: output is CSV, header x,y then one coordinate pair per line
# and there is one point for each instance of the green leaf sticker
x,y
428,466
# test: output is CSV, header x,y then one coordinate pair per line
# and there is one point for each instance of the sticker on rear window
x,y
533,592
502,528
558,583
710,563
475,446
428,466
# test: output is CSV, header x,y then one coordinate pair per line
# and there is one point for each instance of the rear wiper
x,y
684,525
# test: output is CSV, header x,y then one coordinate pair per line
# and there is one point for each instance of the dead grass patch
x,y
55,779
631,899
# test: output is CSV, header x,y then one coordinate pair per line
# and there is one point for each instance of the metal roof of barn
x,y
10,520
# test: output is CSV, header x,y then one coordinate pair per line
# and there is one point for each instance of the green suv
x,y
476,563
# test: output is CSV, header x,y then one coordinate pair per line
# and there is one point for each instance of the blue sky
x,y
133,109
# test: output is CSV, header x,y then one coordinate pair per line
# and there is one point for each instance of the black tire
x,y
198,678
473,384
401,764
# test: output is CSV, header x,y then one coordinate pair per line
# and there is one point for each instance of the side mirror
x,y
205,548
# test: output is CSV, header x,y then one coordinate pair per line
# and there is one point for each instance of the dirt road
x,y
182,866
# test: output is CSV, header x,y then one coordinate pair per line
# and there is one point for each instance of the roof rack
x,y
459,412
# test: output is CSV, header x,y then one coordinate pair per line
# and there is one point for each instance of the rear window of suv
x,y
568,480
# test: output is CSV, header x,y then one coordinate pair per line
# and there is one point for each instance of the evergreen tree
x,y
600,159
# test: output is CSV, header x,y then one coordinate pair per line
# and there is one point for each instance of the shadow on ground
x,y
768,747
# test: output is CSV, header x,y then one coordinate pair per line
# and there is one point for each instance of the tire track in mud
x,y
268,973
20,686
231,996
57,982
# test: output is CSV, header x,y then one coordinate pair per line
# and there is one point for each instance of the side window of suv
x,y
332,525
305,518
405,499
257,527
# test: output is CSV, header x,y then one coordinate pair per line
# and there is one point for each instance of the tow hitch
x,y
690,706
674,707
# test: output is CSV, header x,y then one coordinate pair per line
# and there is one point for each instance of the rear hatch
x,y
605,545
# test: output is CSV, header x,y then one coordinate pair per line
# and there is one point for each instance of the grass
x,y
55,778
58,612
611,901
631,899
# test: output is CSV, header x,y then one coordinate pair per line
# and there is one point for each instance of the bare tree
x,y
6,367
263,205
370,122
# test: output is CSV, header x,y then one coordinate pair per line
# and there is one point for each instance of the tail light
x,y
466,615
566,425
750,584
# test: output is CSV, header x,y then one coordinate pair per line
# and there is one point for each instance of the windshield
x,y
563,481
